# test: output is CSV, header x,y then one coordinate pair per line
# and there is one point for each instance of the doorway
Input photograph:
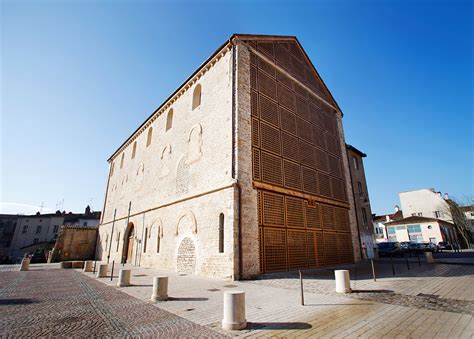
x,y
129,239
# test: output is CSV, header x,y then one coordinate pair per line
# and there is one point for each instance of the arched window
x,y
197,96
121,160
134,149
118,241
150,134
221,233
169,120
145,240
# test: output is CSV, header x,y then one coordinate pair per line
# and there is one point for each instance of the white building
x,y
426,203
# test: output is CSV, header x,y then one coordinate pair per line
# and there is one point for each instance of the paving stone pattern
x,y
66,302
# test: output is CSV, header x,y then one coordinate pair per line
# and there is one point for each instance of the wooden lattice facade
x,y
297,164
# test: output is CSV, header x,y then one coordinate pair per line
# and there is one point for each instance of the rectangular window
x,y
36,240
84,223
359,185
25,229
420,214
56,228
364,216
401,228
437,214
391,230
413,214
38,229
414,228
356,163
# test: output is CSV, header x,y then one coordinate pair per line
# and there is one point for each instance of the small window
x,y
38,229
84,223
121,160
25,229
420,214
364,216
150,135
430,227
356,163
197,96
145,240
134,150
413,214
169,120
56,228
359,185
36,241
221,233
118,242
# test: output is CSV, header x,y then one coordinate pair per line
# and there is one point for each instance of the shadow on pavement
x,y
20,301
187,299
279,326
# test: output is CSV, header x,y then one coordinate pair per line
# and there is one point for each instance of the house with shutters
x,y
241,171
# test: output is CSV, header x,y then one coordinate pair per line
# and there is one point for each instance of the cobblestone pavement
x,y
67,303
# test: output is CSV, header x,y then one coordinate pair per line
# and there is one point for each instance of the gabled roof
x,y
394,216
355,150
414,219
467,208
231,41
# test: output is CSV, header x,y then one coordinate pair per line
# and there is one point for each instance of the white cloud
x,y
17,208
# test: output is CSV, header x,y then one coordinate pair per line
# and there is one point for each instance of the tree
x,y
459,220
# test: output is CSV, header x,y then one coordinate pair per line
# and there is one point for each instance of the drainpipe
x,y
111,236
234,158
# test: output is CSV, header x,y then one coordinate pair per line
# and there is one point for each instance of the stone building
x,y
43,229
242,170
361,202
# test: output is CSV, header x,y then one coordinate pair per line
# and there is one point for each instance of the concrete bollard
x,y
78,264
124,278
160,288
429,257
88,266
25,264
66,264
234,311
102,271
343,281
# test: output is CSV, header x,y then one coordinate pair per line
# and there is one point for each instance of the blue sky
x,y
77,77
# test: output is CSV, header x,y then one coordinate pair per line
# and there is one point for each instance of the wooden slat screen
x,y
296,146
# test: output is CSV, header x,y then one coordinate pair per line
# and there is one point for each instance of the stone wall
x,y
75,243
179,184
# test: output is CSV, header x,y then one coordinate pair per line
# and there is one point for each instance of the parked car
x,y
389,249
432,247
38,258
418,247
405,246
444,245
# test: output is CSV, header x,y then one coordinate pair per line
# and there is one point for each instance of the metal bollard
x,y
88,266
102,271
343,281
112,273
124,278
95,264
234,311
373,269
160,288
301,286
25,264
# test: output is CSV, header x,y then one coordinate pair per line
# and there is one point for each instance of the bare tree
x,y
459,219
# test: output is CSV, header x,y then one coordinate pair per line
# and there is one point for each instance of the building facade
x,y
8,224
426,203
361,202
240,171
421,229
43,229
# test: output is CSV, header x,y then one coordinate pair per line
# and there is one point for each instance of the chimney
x,y
387,218
397,208
439,194
446,196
